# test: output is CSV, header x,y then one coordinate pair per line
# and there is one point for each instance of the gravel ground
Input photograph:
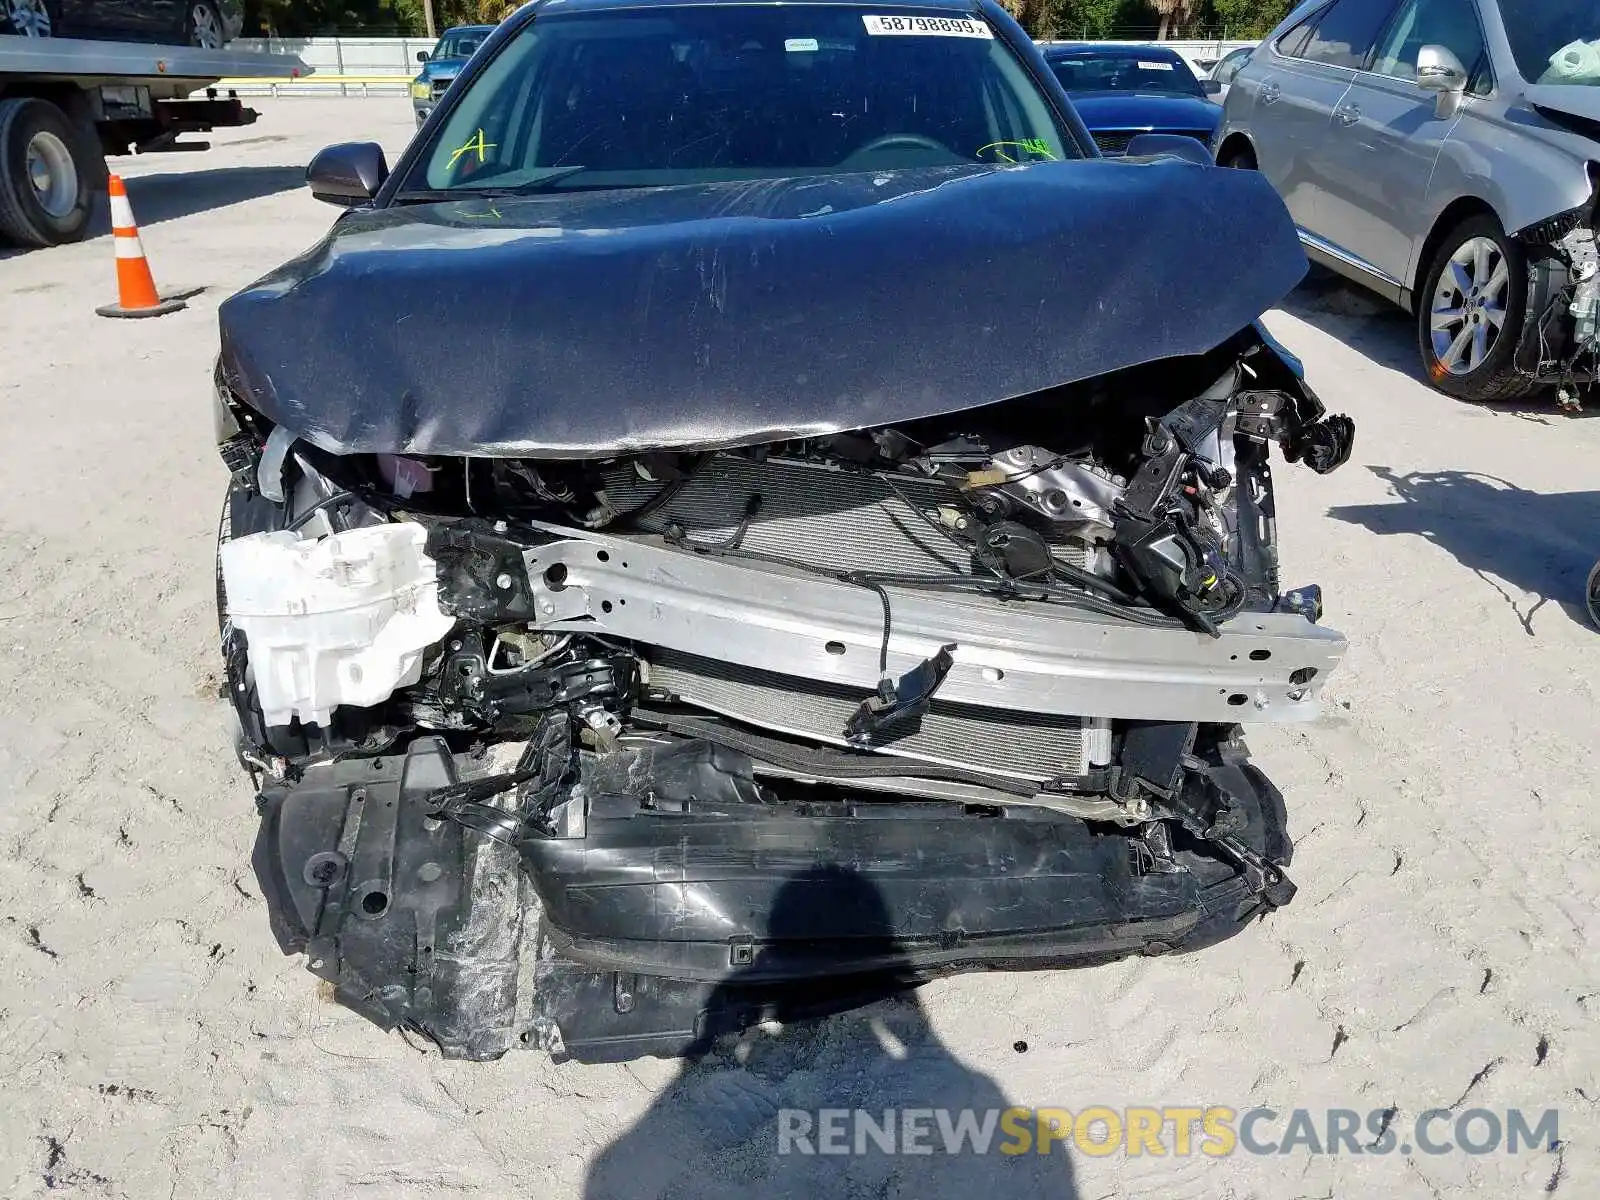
x,y
154,1043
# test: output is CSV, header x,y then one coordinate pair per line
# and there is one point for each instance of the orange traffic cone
x,y
136,287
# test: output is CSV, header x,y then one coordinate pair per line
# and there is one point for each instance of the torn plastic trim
x,y
899,703
416,925
274,456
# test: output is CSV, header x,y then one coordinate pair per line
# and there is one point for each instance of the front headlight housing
x,y
421,89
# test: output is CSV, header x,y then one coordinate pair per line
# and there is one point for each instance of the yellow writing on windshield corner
x,y
1002,150
473,145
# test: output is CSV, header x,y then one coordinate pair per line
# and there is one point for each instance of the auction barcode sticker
x,y
966,27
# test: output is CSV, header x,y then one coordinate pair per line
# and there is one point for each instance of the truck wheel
x,y
27,18
45,193
1470,313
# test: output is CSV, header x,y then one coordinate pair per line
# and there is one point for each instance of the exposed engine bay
x,y
539,742
1560,344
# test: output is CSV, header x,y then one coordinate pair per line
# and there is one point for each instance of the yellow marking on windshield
x,y
474,145
1036,146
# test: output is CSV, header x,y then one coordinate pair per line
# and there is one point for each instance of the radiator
x,y
1015,744
823,516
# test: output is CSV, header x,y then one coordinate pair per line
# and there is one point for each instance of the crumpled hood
x,y
1131,110
587,324
1578,100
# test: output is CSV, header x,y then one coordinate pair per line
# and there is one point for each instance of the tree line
x,y
1235,19
1133,19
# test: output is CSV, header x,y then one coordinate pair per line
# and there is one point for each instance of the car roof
x,y
1107,50
468,29
962,6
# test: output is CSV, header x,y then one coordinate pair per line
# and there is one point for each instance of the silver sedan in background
x,y
1445,154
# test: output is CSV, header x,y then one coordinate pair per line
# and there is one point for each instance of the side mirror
x,y
1438,70
1211,87
347,174
1173,145
422,56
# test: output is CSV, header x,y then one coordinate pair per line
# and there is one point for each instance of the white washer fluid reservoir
x,y
342,619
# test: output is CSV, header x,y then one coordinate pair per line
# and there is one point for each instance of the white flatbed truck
x,y
66,104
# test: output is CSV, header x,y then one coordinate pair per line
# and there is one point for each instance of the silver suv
x,y
1445,154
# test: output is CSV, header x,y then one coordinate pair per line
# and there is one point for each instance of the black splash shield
x,y
695,903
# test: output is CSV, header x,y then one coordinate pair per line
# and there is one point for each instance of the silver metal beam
x,y
121,62
1029,656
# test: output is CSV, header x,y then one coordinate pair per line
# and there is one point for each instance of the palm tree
x,y
1173,14
1022,10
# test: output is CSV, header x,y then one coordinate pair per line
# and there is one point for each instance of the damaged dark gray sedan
x,y
753,513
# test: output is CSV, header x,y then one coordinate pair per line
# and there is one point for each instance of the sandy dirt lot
x,y
153,1042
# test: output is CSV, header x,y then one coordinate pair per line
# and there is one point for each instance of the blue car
x,y
1122,91
440,68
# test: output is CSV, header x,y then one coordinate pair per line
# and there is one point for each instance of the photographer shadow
x,y
743,1117
1541,543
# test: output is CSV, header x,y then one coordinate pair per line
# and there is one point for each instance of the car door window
x,y
1344,33
1293,43
1452,24
1230,66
